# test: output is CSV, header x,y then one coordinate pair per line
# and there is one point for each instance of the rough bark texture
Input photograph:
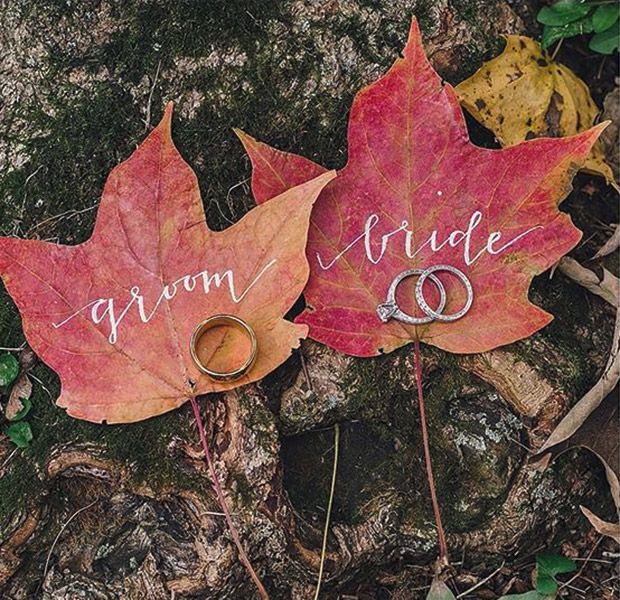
x,y
81,83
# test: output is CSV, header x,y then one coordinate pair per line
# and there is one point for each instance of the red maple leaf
x,y
416,192
114,316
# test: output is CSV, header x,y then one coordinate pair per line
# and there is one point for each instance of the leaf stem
x,y
222,501
443,546
329,509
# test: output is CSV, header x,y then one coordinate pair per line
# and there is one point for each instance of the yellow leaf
x,y
522,94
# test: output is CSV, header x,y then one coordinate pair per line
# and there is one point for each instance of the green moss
x,y
377,452
142,447
364,459
243,488
10,323
20,488
259,419
473,435
575,334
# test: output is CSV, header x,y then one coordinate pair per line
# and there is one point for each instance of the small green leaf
x,y
554,564
605,16
605,42
562,13
561,5
9,368
440,591
553,34
19,433
548,566
27,405
545,584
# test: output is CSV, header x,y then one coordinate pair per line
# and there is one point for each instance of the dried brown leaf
x,y
21,390
611,530
606,285
593,422
611,245
523,94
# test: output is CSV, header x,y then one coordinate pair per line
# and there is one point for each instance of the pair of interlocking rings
x,y
390,309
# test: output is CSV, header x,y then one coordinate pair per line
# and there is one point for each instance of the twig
x,y
14,349
611,245
576,589
607,286
222,500
595,560
329,509
229,201
557,49
443,546
481,583
41,384
332,489
599,72
147,120
522,445
68,213
8,459
65,525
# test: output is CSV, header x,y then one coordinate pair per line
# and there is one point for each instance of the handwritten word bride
x,y
454,238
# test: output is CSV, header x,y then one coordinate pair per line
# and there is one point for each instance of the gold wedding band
x,y
230,321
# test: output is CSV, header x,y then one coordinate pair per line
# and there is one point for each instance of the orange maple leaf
x,y
114,316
